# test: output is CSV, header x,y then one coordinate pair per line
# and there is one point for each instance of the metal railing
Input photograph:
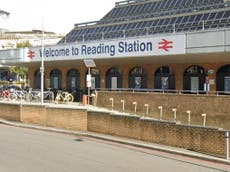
x,y
166,91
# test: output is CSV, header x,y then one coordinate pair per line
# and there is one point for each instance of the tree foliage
x,y
24,44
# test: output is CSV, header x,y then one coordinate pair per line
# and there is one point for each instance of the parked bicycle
x,y
63,97
17,94
49,95
4,94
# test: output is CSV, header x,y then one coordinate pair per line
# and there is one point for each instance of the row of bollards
x,y
146,106
174,110
204,115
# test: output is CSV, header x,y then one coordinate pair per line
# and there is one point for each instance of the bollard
x,y
227,144
147,109
111,99
135,106
161,109
204,115
123,105
174,113
189,116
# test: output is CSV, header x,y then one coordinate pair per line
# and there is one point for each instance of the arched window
x,y
4,74
55,79
164,78
37,79
194,79
223,79
73,80
113,78
137,78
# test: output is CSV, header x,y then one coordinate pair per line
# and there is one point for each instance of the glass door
x,y
114,83
164,83
227,84
194,84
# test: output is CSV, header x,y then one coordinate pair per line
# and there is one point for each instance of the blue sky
x,y
58,16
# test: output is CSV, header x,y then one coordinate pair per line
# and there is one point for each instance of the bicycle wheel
x,y
51,96
57,99
69,98
13,96
28,97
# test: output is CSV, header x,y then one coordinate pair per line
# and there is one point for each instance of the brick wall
x,y
202,139
66,118
10,111
197,138
33,114
73,119
216,107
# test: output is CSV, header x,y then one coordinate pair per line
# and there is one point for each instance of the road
x,y
29,150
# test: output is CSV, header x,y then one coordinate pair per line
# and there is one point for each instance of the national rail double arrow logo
x,y
165,44
31,54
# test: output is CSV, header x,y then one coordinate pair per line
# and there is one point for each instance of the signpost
x,y
89,63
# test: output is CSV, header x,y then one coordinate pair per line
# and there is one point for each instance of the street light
x,y
89,63
42,65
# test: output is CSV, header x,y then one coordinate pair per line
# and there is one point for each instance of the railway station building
x,y
162,45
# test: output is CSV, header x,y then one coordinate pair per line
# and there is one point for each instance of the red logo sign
x,y
165,45
31,54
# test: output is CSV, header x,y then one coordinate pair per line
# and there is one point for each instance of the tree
x,y
20,72
24,44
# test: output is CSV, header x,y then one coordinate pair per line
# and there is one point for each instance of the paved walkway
x,y
132,142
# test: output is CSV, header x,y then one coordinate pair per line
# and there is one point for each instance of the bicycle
x,y
63,97
49,95
17,95
4,94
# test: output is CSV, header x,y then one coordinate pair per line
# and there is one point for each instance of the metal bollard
x,y
135,106
112,104
204,115
161,109
189,116
147,109
174,114
227,144
123,105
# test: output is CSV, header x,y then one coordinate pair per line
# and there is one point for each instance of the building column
x,y
64,78
125,77
103,71
178,70
31,72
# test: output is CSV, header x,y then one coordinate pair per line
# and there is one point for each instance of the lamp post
x,y
42,65
89,63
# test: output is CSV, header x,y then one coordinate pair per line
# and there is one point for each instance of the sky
x,y
56,16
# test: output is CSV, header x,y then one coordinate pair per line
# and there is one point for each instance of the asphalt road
x,y
28,150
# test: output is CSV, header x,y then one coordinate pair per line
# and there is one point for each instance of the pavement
x,y
122,140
